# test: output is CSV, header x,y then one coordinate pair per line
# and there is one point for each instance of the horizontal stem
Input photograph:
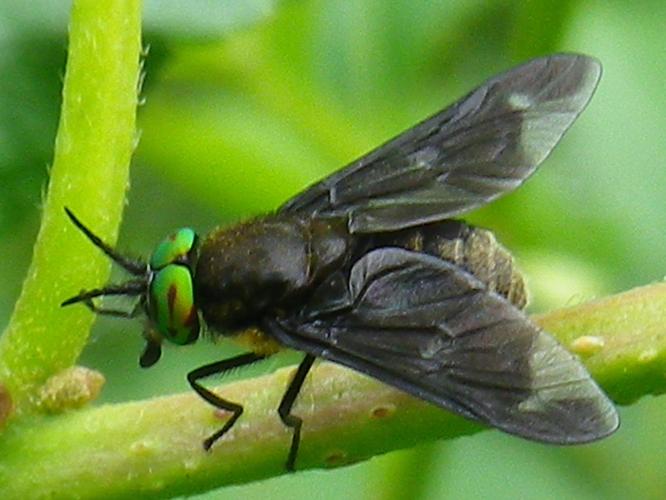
x,y
153,447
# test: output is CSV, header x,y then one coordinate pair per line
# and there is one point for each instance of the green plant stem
x,y
628,334
153,448
95,140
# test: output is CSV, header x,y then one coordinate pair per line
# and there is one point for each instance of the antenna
x,y
134,267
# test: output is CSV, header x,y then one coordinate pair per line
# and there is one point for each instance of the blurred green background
x,y
247,101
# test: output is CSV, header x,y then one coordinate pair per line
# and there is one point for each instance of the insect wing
x,y
433,330
463,157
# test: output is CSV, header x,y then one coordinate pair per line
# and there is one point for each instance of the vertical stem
x,y
95,140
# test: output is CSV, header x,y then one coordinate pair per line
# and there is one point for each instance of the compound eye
x,y
171,304
173,248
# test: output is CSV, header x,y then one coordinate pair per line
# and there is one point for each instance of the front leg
x,y
220,367
118,313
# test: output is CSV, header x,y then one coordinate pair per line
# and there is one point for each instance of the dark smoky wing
x,y
463,157
431,329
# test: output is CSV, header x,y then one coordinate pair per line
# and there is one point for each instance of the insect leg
x,y
130,289
219,367
119,313
284,410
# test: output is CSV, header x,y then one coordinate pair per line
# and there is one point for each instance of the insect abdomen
x,y
472,248
480,253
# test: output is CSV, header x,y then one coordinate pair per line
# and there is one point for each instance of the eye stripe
x,y
172,296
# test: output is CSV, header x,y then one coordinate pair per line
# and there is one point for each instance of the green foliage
x,y
247,102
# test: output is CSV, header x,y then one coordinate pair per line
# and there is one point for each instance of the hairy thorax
x,y
263,265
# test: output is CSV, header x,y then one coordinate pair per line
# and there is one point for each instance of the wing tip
x,y
579,74
601,421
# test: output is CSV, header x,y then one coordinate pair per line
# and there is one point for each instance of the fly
x,y
368,269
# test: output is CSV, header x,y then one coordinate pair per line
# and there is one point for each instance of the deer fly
x,y
367,268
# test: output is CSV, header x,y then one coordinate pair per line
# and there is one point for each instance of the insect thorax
x,y
263,266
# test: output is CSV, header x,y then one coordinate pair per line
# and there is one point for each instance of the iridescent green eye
x,y
171,301
173,248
